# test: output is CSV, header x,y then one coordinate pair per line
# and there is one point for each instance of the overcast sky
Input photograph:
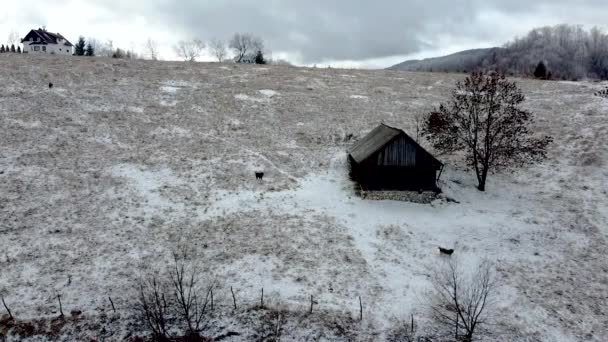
x,y
353,33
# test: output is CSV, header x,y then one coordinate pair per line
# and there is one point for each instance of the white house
x,y
42,41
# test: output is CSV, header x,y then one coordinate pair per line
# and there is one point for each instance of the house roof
x,y
376,139
47,37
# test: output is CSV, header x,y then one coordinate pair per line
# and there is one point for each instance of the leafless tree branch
x,y
462,305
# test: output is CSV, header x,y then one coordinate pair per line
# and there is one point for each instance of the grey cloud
x,y
321,30
353,29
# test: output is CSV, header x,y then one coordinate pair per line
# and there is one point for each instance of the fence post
x,y
211,299
360,309
233,298
311,303
112,303
60,307
412,326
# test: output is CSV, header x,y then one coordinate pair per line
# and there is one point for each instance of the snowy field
x,y
121,163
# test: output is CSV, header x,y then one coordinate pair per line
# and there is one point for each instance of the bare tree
x,y
105,49
154,306
175,298
189,50
218,49
245,45
462,304
151,49
190,298
484,119
13,37
131,53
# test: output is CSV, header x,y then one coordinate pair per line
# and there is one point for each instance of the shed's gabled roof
x,y
376,139
373,142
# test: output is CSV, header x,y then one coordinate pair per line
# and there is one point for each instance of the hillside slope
x,y
458,62
569,52
122,163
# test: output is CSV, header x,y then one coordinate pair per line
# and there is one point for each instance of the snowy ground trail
x,y
103,177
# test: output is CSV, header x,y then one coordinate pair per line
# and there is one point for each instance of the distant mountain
x,y
457,62
568,52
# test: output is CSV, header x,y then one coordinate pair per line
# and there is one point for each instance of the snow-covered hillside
x,y
122,162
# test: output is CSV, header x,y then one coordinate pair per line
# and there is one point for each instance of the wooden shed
x,y
388,159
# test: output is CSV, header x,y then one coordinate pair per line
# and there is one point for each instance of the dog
x,y
50,85
446,251
259,175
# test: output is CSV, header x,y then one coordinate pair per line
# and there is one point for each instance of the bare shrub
x,y
602,93
175,299
190,297
245,46
218,49
13,37
155,306
271,324
462,304
151,49
404,332
189,50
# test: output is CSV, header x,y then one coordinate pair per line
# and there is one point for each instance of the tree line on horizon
x,y
245,48
562,52
10,49
568,52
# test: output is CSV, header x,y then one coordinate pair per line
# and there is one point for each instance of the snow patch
x,y
174,130
24,124
243,97
268,92
170,103
134,109
148,183
169,89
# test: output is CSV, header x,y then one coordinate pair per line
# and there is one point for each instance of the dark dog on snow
x,y
259,175
446,251
50,85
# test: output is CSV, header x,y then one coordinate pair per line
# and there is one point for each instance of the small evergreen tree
x,y
2,49
90,50
79,48
541,71
118,53
259,57
13,48
18,49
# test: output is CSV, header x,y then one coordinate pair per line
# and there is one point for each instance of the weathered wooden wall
x,y
399,152
400,165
